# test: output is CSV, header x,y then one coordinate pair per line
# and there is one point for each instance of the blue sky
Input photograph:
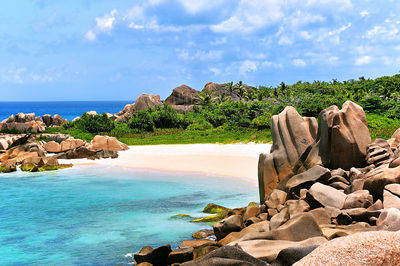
x,y
116,50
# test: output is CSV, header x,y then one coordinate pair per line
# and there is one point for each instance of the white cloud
x,y
285,41
219,41
271,64
387,32
195,6
211,55
305,35
299,62
215,71
337,4
90,35
333,35
333,59
301,18
20,74
364,13
251,15
248,66
106,22
363,60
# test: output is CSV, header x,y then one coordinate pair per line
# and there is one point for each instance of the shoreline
x,y
230,160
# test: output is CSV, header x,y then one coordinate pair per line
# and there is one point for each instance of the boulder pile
x,y
33,154
31,123
320,182
99,147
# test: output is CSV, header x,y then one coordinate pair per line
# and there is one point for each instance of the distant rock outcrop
x,y
182,95
220,89
29,122
143,102
182,99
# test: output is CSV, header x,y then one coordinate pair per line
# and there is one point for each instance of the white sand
x,y
235,160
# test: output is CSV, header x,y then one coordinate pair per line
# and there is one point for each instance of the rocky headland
x,y
36,153
329,195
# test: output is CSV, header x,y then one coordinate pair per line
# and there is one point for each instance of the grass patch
x,y
74,132
382,127
180,136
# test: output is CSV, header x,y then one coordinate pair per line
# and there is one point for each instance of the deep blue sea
x,y
95,216
67,110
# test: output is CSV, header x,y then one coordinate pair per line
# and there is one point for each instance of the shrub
x,y
201,125
95,123
262,122
120,130
142,121
382,127
167,117
373,104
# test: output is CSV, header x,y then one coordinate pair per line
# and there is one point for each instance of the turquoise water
x,y
95,215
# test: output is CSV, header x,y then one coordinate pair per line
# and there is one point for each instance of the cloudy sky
x,y
116,50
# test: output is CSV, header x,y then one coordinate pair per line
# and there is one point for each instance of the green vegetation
x,y
32,168
218,119
214,208
213,219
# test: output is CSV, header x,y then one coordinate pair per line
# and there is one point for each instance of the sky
x,y
116,50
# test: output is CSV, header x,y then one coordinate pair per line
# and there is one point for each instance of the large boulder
x,y
307,179
291,255
342,140
232,256
106,143
158,256
52,147
300,227
391,196
378,178
145,101
71,144
268,250
220,89
358,199
3,144
260,227
322,195
291,135
389,220
230,224
182,95
369,248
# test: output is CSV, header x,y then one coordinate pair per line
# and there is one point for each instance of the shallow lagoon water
x,y
95,215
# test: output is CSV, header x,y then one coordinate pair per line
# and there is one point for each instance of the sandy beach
x,y
234,160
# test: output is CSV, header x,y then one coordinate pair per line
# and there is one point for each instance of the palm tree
x,y
222,98
229,86
206,98
241,89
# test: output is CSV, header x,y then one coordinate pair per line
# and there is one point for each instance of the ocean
x,y
67,110
96,216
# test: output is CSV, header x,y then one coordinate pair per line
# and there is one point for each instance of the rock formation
x,y
328,197
220,89
291,135
182,95
340,141
143,102
30,123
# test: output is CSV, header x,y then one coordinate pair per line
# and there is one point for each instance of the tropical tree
x,y
206,98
